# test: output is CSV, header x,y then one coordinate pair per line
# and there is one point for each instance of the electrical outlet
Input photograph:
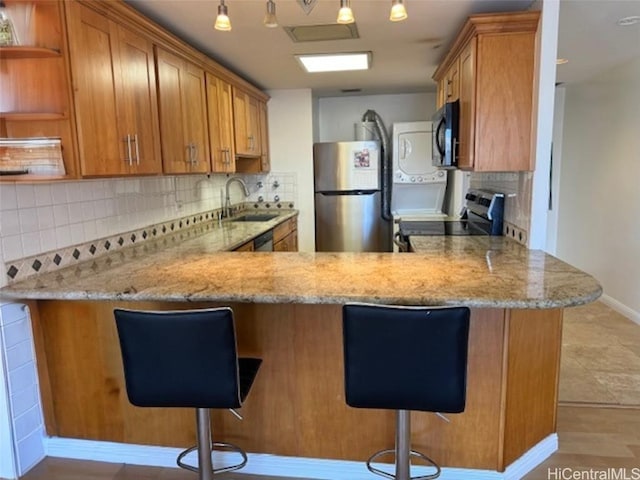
x,y
515,233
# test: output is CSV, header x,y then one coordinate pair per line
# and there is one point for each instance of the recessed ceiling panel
x,y
318,33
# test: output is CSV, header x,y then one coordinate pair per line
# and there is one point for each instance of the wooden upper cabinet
x,y
452,82
449,85
495,54
265,159
246,123
114,96
466,127
220,111
183,114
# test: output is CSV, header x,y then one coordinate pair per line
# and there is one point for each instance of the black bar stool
x,y
186,359
405,358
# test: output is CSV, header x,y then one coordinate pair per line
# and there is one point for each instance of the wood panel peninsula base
x,y
297,405
288,311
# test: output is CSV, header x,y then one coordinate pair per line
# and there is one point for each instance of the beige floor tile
x,y
623,386
614,358
578,385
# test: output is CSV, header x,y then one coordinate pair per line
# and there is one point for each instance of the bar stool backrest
x,y
180,358
406,358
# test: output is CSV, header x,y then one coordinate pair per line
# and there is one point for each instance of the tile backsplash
x,y
37,218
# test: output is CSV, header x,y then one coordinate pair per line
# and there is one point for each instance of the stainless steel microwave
x,y
444,152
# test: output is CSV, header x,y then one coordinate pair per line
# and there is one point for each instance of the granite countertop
x,y
472,271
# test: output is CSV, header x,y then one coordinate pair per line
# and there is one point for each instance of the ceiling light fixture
x,y
628,21
561,61
270,19
335,62
222,20
345,15
398,11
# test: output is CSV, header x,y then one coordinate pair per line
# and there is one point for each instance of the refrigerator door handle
x,y
331,193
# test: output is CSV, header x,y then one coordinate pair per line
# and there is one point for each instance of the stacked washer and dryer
x,y
419,190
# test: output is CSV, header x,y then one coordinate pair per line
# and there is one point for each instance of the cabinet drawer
x,y
284,229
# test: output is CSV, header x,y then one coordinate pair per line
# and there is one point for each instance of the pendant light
x,y
345,15
398,11
222,20
270,19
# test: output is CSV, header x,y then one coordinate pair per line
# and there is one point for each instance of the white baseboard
x,y
265,464
621,308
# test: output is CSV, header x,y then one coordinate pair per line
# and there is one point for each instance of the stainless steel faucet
x,y
227,201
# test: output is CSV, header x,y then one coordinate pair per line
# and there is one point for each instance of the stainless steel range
x,y
483,215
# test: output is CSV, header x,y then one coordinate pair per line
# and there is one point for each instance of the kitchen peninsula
x,y
288,311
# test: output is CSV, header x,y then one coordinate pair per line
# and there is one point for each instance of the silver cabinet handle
x,y
227,156
250,142
129,157
135,139
193,153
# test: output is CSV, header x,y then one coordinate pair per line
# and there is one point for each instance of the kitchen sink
x,y
260,217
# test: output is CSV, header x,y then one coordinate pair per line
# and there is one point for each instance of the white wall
x,y
556,151
598,228
337,115
291,144
545,77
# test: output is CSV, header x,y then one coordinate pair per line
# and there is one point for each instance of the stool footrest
x,y
413,453
216,445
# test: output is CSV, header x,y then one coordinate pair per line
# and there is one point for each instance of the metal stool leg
x,y
205,447
205,464
403,453
403,445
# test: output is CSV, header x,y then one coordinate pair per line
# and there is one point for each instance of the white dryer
x,y
417,185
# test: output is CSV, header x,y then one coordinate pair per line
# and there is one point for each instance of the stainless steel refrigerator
x,y
348,210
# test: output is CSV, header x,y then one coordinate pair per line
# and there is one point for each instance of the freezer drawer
x,y
351,223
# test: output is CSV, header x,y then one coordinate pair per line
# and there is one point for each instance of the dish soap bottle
x,y
7,33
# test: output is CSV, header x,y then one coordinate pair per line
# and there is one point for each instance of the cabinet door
x,y
265,161
220,111
175,154
195,118
137,101
253,126
441,92
92,42
183,114
466,133
246,121
240,121
114,95
452,82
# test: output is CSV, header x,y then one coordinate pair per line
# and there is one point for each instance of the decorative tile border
x,y
23,268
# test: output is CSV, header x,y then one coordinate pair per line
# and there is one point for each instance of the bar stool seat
x,y
405,359
187,359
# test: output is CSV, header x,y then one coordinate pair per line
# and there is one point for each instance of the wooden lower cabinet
x,y
285,236
245,247
297,401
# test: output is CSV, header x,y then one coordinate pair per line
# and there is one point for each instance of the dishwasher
x,y
264,242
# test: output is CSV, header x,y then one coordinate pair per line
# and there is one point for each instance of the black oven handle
x,y
440,148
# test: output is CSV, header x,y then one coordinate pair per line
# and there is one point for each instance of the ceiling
x,y
405,54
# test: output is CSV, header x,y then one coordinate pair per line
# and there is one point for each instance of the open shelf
x,y
28,52
31,116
